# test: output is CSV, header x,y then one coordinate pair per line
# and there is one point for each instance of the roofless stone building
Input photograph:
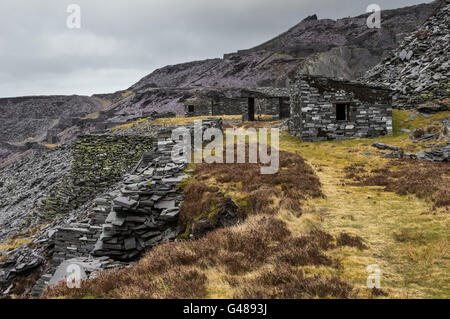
x,y
236,101
326,109
319,108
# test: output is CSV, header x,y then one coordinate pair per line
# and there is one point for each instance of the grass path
x,y
408,240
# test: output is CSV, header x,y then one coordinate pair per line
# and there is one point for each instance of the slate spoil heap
x,y
419,68
438,143
23,183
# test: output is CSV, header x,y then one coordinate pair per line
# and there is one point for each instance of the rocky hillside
x,y
419,68
347,40
35,114
340,48
26,121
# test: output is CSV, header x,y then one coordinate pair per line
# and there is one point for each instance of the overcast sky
x,y
120,41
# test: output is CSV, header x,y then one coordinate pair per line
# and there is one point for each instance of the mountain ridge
x,y
343,48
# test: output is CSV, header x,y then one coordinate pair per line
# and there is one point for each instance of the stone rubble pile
x,y
438,131
139,213
382,146
439,153
419,69
89,268
20,262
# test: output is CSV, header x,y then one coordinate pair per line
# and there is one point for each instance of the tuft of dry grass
x,y
199,201
293,183
287,282
426,180
345,239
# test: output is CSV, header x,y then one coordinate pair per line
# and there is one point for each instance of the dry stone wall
x,y
99,162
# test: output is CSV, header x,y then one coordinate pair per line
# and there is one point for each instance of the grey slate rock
x,y
124,202
382,146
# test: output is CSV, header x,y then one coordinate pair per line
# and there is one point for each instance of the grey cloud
x,y
121,41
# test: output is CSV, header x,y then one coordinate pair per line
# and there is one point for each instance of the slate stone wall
x,y
214,107
228,106
75,241
313,110
235,106
99,162
263,106
141,213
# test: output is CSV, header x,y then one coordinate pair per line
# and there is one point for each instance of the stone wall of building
x,y
204,106
314,103
198,106
263,106
268,101
228,106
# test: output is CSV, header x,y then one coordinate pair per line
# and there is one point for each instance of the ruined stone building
x,y
319,108
247,102
325,109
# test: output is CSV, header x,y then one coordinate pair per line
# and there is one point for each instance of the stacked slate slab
x,y
75,241
140,213
145,213
314,102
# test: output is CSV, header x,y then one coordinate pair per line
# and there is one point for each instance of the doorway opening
x,y
251,108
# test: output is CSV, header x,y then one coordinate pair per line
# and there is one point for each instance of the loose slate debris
x,y
86,268
382,146
418,69
439,154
